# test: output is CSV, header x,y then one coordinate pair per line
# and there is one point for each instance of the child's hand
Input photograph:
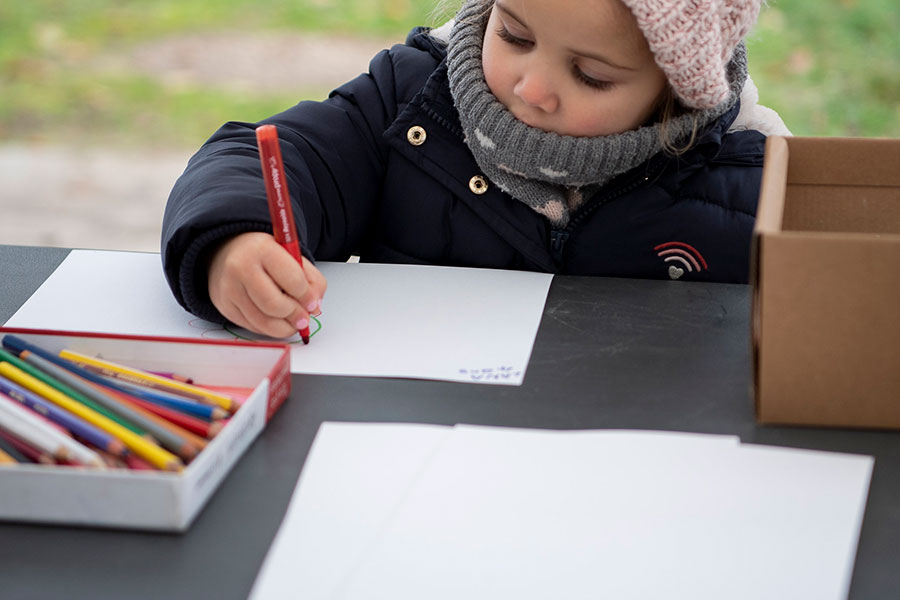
x,y
257,284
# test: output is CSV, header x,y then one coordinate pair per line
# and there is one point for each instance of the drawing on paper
x,y
214,331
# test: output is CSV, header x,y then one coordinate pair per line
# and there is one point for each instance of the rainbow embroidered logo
x,y
683,254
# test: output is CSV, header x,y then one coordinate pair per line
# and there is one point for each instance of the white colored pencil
x,y
32,429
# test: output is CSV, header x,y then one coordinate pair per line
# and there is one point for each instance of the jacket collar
x,y
447,159
422,38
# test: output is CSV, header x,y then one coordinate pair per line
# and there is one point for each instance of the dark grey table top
x,y
610,353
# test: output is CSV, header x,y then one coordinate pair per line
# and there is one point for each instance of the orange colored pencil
x,y
6,459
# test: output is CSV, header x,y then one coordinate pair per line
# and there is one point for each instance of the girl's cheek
x,y
591,120
495,77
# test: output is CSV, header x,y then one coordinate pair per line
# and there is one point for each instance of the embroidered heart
x,y
675,272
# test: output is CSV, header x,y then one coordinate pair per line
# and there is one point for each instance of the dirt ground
x,y
53,195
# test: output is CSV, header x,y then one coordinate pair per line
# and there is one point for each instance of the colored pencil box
x,y
151,500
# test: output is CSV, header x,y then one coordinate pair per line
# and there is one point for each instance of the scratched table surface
x,y
610,353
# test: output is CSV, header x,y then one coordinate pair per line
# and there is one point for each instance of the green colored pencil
x,y
68,391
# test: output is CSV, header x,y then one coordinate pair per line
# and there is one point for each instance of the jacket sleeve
x,y
334,160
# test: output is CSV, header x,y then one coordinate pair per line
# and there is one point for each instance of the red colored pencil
x,y
11,451
277,194
137,463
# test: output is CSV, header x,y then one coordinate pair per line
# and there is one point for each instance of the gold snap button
x,y
416,135
478,184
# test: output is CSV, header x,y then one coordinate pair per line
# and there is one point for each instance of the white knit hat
x,y
692,42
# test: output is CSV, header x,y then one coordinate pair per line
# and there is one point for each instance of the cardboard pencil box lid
x,y
826,283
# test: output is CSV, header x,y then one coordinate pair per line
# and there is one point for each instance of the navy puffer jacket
x,y
362,182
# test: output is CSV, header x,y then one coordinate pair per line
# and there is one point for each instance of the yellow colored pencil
x,y
158,457
149,379
6,459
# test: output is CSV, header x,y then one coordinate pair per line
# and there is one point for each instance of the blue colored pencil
x,y
74,424
190,407
17,345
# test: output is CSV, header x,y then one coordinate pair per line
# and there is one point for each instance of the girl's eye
x,y
589,81
504,34
599,84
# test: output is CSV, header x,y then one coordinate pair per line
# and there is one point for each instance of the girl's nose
x,y
536,89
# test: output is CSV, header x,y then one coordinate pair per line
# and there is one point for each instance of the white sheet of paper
x,y
594,516
455,324
354,476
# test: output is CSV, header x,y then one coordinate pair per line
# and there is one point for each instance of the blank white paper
x,y
446,323
537,515
356,475
353,478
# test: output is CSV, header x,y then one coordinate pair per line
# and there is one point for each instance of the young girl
x,y
583,137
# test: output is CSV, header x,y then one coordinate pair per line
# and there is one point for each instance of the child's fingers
x,y
257,284
317,283
248,315
294,279
286,280
311,299
269,298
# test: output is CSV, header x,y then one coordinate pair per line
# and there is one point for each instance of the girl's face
x,y
573,67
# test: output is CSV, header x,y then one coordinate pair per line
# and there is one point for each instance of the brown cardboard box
x,y
826,277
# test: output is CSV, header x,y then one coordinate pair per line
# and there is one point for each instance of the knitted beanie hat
x,y
693,41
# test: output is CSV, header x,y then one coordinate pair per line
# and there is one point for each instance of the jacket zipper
x,y
559,237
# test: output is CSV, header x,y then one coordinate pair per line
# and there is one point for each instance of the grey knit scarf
x,y
551,173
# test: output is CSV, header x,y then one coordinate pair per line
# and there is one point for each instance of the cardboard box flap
x,y
774,183
768,221
773,186
830,185
844,162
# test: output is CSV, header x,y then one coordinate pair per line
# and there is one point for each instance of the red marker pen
x,y
279,200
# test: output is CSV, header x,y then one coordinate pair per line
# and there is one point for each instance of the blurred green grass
x,y
828,67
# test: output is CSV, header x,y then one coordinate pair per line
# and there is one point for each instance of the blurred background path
x,y
112,196
102,102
